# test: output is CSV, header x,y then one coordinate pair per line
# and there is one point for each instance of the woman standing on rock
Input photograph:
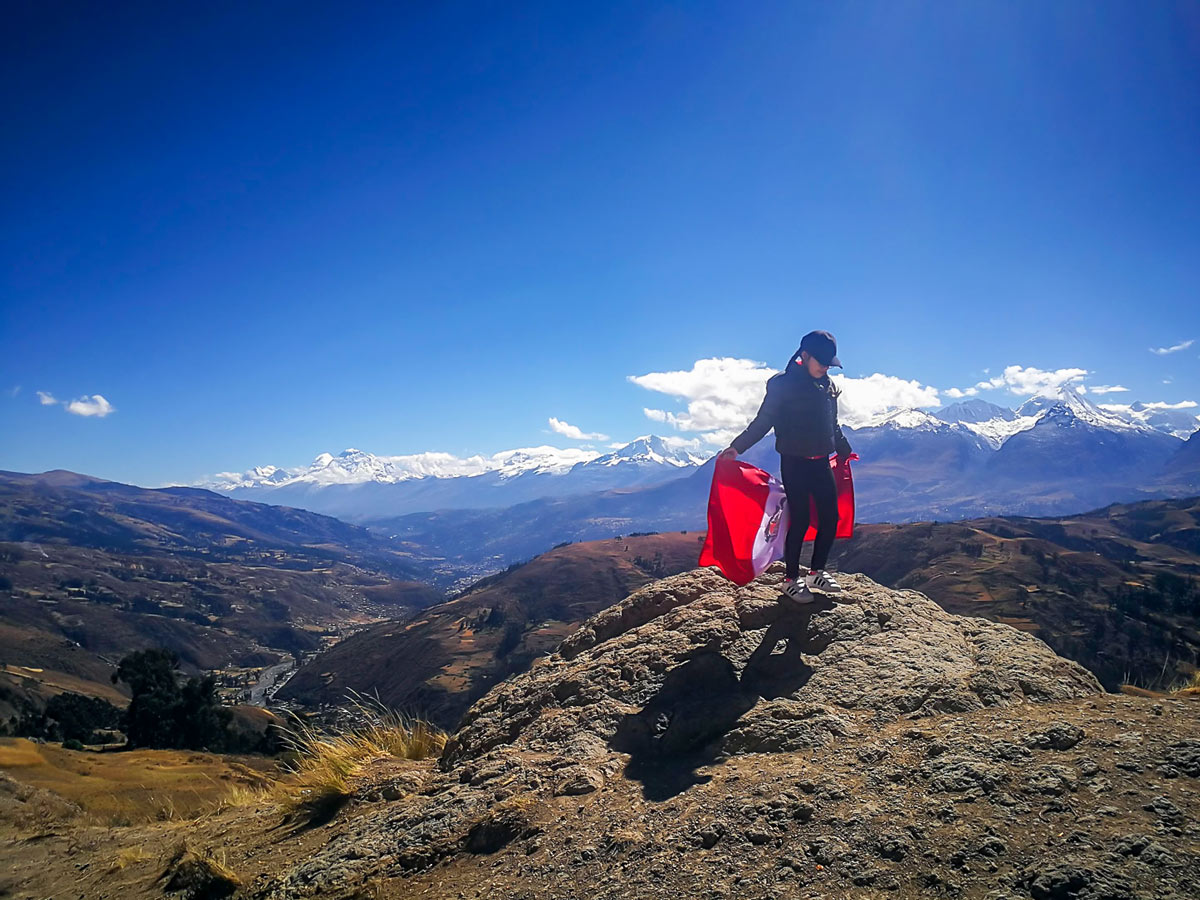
x,y
801,405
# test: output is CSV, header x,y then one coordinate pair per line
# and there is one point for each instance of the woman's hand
x,y
727,453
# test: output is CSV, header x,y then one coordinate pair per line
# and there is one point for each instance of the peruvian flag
x,y
748,518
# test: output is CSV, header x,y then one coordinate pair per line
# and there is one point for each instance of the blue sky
x,y
264,233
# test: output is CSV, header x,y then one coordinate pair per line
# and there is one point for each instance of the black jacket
x,y
803,412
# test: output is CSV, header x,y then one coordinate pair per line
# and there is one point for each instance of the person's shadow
x,y
679,728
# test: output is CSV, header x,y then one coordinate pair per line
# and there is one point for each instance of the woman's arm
x,y
762,423
839,440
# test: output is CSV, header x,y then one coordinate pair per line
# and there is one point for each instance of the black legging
x,y
803,478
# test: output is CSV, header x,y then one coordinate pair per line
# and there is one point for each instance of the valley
x,y
93,570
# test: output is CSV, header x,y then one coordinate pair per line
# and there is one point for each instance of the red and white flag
x,y
748,518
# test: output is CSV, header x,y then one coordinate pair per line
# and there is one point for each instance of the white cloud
x,y
681,443
1108,389
957,394
722,396
574,432
1174,348
46,399
94,405
14,390
865,399
1027,381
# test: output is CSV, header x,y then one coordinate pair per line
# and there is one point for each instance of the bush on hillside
x,y
167,714
68,717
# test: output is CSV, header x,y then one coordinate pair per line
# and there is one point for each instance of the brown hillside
x,y
91,570
1117,589
438,662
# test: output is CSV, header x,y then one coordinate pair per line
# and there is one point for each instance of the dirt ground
x,y
1096,798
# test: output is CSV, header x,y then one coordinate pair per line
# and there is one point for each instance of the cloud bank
x,y
723,395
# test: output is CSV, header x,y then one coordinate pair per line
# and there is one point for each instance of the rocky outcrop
x,y
694,664
705,740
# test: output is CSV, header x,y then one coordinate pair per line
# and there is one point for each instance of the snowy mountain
x,y
358,467
648,450
997,424
1179,419
1054,454
974,411
356,485
1073,441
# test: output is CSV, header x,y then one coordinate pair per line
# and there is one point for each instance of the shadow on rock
x,y
679,729
777,667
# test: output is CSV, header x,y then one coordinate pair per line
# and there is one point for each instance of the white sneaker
x,y
822,581
797,591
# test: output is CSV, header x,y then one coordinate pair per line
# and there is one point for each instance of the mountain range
x,y
1048,458
969,458
358,486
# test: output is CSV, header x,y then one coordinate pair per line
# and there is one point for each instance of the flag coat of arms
x,y
748,518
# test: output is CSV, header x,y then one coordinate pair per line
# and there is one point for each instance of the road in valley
x,y
266,680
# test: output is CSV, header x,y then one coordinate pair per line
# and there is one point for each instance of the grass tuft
x,y
325,762
128,855
1191,687
199,875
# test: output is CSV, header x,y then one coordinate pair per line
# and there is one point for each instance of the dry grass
x,y
1191,687
127,856
326,763
242,795
135,786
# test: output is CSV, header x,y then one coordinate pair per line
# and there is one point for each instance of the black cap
x,y
821,346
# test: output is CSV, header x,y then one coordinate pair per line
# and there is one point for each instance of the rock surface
x,y
694,664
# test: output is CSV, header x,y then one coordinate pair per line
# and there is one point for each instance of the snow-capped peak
x,y
996,424
649,449
974,411
909,418
1178,419
353,466
1070,405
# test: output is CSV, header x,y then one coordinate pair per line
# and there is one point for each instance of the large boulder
x,y
692,664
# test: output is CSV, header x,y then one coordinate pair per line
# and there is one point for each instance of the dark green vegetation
x,y
67,717
1117,589
96,569
167,711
